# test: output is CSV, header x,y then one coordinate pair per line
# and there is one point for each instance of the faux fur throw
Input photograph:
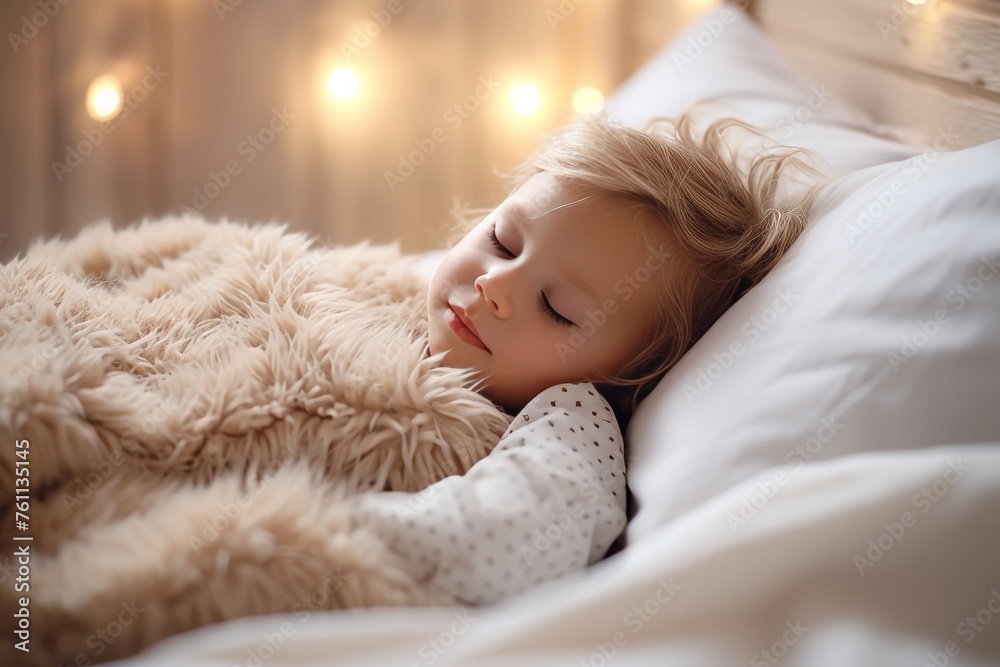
x,y
192,403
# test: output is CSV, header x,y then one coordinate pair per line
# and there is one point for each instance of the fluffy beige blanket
x,y
184,407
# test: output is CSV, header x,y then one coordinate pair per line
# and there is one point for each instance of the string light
x,y
344,84
104,97
588,100
525,99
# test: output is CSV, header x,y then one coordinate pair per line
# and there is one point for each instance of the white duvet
x,y
890,558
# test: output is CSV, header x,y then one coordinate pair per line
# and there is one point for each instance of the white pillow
x,y
725,57
862,337
879,329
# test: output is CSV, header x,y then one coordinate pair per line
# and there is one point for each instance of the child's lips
x,y
464,328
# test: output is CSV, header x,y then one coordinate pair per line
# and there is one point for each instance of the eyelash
x,y
496,242
546,306
550,311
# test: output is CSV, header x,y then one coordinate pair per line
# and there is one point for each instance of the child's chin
x,y
452,353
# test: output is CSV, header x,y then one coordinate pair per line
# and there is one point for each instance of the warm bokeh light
x,y
525,99
343,84
104,97
588,100
916,2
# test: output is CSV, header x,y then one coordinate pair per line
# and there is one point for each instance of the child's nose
x,y
496,296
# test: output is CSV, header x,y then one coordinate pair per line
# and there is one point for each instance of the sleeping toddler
x,y
615,252
613,255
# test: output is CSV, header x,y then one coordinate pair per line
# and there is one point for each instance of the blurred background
x,y
347,119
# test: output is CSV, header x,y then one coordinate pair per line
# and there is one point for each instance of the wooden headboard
x,y
929,66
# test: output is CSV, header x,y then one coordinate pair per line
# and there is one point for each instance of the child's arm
x,y
549,500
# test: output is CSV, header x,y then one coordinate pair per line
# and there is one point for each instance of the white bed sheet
x,y
698,592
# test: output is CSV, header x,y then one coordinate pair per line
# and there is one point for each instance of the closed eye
x,y
546,306
496,242
551,312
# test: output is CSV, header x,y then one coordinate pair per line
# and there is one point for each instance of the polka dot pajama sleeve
x,y
549,500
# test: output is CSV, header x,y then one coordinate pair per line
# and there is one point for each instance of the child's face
x,y
588,261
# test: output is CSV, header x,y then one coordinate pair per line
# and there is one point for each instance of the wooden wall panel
x,y
927,67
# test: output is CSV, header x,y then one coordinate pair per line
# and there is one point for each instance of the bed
x,y
817,480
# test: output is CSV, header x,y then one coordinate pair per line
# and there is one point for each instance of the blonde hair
x,y
720,211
